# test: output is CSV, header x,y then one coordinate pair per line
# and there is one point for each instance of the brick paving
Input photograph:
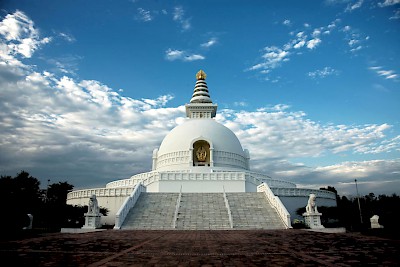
x,y
201,248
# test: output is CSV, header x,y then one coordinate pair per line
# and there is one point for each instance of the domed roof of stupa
x,y
200,131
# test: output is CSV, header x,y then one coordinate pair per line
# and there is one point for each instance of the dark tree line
x,y
354,213
21,195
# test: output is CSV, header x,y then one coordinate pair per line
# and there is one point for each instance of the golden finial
x,y
201,75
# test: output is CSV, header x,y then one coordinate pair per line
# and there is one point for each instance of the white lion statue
x,y
312,205
93,205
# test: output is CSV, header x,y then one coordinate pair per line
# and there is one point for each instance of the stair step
x,y
202,211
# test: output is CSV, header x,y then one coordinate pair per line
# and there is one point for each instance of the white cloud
x,y
352,6
316,33
387,74
172,55
240,104
209,43
144,15
283,130
300,44
313,43
346,28
322,73
369,175
332,25
193,57
75,130
286,22
396,14
388,3
275,56
179,16
22,37
67,37
66,65
354,38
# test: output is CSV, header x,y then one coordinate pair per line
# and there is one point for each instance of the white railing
x,y
228,208
303,192
178,204
272,182
100,192
127,205
276,203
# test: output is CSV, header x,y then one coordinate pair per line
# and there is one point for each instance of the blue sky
x,y
312,88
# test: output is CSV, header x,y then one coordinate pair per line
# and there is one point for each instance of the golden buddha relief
x,y
201,154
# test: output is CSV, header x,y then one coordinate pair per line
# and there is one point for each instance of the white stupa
x,y
198,156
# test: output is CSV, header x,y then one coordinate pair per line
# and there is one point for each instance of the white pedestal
x,y
92,221
313,220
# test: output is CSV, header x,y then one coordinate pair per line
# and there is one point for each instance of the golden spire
x,y
201,75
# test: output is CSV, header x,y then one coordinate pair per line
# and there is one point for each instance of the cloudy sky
x,y
312,88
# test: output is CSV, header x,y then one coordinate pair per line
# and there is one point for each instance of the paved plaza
x,y
201,248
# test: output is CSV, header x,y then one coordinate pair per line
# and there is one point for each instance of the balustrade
x,y
127,205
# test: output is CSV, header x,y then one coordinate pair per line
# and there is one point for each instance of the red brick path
x,y
201,248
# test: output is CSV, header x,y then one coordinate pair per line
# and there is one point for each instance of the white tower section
x,y
201,105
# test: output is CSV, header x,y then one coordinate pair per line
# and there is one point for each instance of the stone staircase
x,y
202,211
152,211
253,211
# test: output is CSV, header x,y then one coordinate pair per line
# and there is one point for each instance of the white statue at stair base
x,y
312,217
312,205
92,217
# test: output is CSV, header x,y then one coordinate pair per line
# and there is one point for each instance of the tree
x,y
57,193
21,195
55,211
18,197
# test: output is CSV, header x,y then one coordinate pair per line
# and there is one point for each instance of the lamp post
x,y
47,191
358,198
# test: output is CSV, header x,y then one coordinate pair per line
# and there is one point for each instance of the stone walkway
x,y
201,248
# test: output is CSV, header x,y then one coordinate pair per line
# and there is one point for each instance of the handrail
x,y
100,192
276,203
178,204
228,208
127,205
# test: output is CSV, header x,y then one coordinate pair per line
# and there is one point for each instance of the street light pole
x,y
358,198
47,191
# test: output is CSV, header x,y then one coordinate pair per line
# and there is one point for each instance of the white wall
x,y
197,186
